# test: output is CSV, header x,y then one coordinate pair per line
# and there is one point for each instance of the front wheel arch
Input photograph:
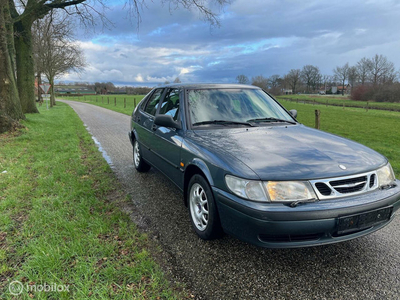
x,y
196,167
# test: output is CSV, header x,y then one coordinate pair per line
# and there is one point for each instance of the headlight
x,y
289,191
271,191
249,189
386,176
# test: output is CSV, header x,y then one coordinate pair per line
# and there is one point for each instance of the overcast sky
x,y
255,37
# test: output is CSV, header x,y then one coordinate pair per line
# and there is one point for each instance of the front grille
x,y
350,185
323,188
329,188
372,180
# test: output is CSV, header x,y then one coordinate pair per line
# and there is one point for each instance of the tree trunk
x,y
39,90
10,107
25,66
343,89
52,98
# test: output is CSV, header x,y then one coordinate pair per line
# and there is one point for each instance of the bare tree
x,y
353,75
274,83
363,70
242,79
326,80
293,79
342,74
382,70
311,77
260,81
274,80
56,51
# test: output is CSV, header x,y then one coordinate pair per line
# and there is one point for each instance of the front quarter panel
x,y
214,162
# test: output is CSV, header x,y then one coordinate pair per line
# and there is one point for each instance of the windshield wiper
x,y
223,122
271,120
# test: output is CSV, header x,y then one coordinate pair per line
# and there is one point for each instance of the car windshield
x,y
214,106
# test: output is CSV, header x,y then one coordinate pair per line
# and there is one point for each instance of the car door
x,y
168,141
145,120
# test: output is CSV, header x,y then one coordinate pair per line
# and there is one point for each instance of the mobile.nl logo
x,y
16,287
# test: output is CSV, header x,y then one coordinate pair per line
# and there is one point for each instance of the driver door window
x,y
152,104
170,104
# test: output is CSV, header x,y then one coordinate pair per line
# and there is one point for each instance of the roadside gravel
x,y
366,268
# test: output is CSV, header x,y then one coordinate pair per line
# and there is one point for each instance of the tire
x,y
138,161
202,209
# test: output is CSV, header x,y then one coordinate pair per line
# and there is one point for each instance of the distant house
x,y
338,89
346,89
73,90
287,91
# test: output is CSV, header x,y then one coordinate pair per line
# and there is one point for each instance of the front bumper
x,y
310,224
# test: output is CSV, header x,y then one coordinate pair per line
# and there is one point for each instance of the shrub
x,y
361,93
382,93
387,93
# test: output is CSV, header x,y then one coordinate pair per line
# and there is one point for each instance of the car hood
x,y
293,152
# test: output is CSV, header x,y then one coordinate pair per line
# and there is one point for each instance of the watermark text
x,y
16,287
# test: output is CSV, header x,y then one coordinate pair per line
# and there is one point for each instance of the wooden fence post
x,y
96,98
124,102
115,101
317,118
367,106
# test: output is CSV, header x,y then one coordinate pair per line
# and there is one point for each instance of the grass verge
x,y
60,221
119,103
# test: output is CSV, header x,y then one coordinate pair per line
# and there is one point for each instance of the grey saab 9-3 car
x,y
248,168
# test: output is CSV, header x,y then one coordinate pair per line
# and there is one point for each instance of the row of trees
x,y
376,73
103,88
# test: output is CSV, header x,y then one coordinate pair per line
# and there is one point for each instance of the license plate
x,y
357,222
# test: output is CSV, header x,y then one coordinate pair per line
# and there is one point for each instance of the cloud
x,y
255,38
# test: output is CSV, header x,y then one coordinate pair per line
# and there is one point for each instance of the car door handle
x,y
154,127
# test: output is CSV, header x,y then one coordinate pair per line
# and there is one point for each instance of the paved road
x,y
366,268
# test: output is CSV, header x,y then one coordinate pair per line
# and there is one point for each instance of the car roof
x,y
208,86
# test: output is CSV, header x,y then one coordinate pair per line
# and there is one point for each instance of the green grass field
x,y
338,100
113,102
61,221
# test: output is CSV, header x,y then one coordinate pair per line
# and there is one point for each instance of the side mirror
x,y
293,112
166,121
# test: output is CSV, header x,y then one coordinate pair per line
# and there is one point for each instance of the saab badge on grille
x,y
342,167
